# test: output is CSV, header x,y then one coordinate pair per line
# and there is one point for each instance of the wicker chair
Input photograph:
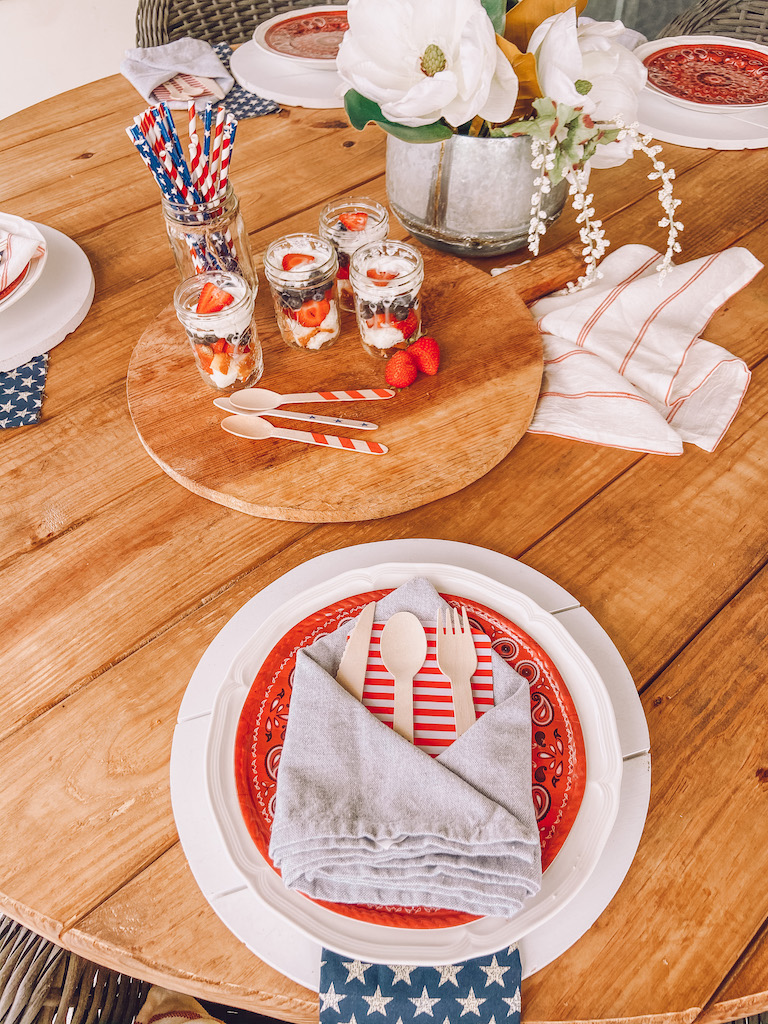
x,y
740,19
215,21
40,983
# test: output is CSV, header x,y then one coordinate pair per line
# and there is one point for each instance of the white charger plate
x,y
285,81
17,225
700,129
58,305
561,881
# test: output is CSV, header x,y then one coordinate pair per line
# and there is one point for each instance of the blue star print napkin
x,y
485,990
240,102
21,393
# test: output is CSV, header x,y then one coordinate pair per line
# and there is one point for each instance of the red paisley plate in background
x,y
708,72
311,37
558,756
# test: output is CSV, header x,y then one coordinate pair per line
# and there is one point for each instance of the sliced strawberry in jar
x,y
343,273
212,299
313,313
220,345
379,320
354,220
408,326
381,276
291,260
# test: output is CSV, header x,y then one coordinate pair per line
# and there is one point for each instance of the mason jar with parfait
x,y
301,270
386,279
348,224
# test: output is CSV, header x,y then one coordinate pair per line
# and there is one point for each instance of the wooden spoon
x,y
403,651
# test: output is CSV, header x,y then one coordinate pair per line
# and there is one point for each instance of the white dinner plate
x,y
562,880
17,225
309,37
646,51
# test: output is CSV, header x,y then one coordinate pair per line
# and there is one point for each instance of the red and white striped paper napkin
x,y
624,363
17,249
433,721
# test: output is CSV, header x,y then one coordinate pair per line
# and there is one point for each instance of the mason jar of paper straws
x,y
209,236
200,209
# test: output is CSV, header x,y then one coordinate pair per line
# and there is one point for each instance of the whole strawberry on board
x,y
426,354
401,371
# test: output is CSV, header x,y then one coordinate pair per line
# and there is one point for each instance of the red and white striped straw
x,y
192,119
194,159
225,153
216,142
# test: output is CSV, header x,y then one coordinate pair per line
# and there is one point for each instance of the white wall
x,y
49,46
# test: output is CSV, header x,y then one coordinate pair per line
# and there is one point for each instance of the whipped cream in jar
x,y
386,279
301,270
216,310
348,224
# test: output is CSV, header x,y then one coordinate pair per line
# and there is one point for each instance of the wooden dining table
x,y
116,577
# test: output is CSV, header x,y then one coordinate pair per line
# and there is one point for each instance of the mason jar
x,y
209,236
349,223
301,270
224,341
386,279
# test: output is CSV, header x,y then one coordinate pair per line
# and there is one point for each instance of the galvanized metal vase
x,y
468,196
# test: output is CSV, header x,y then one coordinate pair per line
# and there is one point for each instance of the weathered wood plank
x,y
696,888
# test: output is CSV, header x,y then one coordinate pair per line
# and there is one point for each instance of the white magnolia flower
x,y
421,60
617,77
555,45
566,54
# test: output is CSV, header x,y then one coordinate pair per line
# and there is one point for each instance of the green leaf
x,y
362,111
496,11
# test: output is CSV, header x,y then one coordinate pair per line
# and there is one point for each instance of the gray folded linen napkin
x,y
150,66
363,816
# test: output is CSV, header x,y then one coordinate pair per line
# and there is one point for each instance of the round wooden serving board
x,y
443,432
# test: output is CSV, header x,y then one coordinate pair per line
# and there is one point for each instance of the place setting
x,y
374,682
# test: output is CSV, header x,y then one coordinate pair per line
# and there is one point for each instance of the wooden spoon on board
x,y
403,651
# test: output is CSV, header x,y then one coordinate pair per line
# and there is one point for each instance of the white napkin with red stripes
x,y
17,248
624,363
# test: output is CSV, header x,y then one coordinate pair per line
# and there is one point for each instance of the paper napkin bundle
x,y
481,990
363,816
624,363
17,248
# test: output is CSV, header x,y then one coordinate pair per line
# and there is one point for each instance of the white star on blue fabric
x,y
514,1003
377,1003
424,1004
356,969
494,972
330,998
448,972
401,972
471,1004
